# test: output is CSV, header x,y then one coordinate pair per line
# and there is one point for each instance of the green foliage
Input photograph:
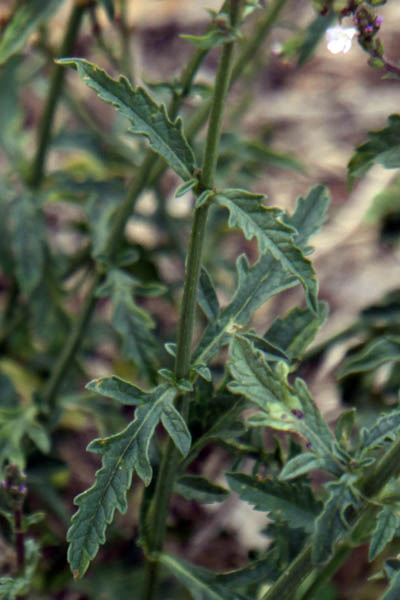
x,y
194,487
146,116
382,148
25,19
387,522
123,454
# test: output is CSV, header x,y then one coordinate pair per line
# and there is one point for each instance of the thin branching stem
x,y
158,513
55,89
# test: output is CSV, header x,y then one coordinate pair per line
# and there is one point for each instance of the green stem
x,y
384,469
53,96
158,512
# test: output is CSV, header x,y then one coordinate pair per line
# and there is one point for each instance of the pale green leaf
x,y
306,462
24,20
12,589
372,356
387,522
146,116
195,487
273,234
332,524
123,453
118,389
289,502
309,215
392,569
201,583
387,428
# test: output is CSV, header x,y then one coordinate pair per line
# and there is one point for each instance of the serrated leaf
x,y
24,20
257,571
392,570
296,330
289,502
176,427
147,117
11,589
118,389
15,424
273,234
123,453
27,238
207,296
386,428
132,322
201,583
303,464
387,522
382,148
256,284
332,524
309,215
372,356
195,487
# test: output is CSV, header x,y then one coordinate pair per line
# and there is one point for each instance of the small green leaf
x,y
12,589
372,356
387,428
207,296
387,522
203,371
382,148
309,215
270,351
332,524
202,584
273,234
123,453
195,487
186,187
146,116
344,427
204,198
25,19
213,38
288,502
392,570
176,426
296,330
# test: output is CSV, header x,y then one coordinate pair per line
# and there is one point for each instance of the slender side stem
x,y
54,93
49,394
387,466
19,540
158,513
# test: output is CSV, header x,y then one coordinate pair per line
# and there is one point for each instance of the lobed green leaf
x,y
372,356
195,487
289,502
273,234
387,522
166,137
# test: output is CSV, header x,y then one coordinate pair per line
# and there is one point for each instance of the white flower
x,y
340,38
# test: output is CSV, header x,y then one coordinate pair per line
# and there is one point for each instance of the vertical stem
x,y
158,513
53,96
19,544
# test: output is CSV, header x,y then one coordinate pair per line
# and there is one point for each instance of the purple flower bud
x,y
368,29
4,484
297,413
308,445
379,21
22,489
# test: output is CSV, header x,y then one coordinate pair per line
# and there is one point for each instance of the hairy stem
x,y
158,512
53,96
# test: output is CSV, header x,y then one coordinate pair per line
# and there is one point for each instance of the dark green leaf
x,y
257,571
296,330
176,427
147,117
207,296
392,569
382,148
123,453
201,583
213,38
386,428
313,35
273,234
332,523
289,502
195,487
27,237
372,356
25,19
387,522
309,215
270,351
